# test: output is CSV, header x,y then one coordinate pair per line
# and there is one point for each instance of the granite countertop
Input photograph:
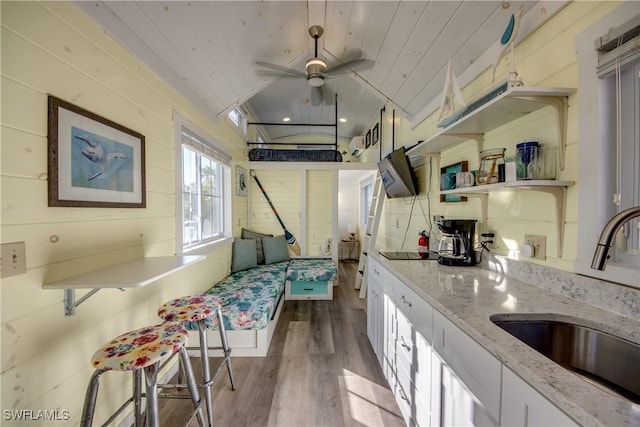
x,y
468,296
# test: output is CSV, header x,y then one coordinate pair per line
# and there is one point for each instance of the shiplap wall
x,y
545,58
320,200
53,48
304,200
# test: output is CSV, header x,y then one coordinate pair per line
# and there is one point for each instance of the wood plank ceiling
x,y
207,51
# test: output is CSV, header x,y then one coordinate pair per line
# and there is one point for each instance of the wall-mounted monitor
x,y
397,175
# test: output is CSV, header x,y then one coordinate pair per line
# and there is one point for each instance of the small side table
x,y
349,249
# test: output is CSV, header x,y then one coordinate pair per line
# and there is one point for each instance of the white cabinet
x,y
524,406
439,375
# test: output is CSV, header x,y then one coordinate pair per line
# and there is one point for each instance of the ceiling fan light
x,y
315,81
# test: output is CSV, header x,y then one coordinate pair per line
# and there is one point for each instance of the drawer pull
x,y
406,301
308,289
404,344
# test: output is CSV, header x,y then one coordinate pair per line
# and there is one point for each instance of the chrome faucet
x,y
601,255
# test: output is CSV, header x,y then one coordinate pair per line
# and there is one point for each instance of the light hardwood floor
x,y
320,371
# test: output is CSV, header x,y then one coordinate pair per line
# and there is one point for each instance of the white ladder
x,y
373,222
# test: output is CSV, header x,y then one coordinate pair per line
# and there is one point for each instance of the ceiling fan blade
x,y
272,73
350,66
316,95
282,70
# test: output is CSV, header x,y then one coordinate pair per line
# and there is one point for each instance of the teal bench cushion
x,y
311,270
250,297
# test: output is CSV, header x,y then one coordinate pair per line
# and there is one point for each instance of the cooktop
x,y
410,255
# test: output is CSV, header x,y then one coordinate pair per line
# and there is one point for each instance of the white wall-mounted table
x,y
131,274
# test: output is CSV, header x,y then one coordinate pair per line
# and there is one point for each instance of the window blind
x,y
618,47
193,141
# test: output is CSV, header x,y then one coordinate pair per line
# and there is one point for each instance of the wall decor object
x,y
92,161
462,166
367,139
375,135
241,182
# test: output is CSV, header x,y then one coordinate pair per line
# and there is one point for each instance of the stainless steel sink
x,y
604,360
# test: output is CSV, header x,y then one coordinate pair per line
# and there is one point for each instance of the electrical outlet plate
x,y
539,244
14,260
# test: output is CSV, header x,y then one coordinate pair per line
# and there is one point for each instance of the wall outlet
x,y
539,244
14,260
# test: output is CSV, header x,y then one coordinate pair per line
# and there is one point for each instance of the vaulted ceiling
x,y
208,52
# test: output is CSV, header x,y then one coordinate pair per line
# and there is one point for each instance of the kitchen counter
x,y
468,296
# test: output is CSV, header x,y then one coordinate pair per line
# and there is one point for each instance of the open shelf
x,y
513,185
516,102
558,189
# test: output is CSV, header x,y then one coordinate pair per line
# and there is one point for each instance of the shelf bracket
x,y
70,302
561,106
560,196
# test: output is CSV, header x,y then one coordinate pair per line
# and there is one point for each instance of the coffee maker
x,y
456,245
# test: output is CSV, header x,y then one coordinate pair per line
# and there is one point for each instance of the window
x,y
203,205
609,142
366,196
239,119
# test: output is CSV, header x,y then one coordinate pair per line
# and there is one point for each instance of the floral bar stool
x,y
198,308
141,351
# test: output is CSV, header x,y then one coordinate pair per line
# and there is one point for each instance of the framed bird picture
x,y
92,161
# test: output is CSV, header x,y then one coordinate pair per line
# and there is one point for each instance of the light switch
x,y
14,259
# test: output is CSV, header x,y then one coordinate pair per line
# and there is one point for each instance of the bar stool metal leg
x,y
206,373
89,406
225,348
192,385
151,385
137,399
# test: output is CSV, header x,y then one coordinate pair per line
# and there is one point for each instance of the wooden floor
x,y
320,371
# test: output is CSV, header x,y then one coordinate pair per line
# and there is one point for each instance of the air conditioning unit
x,y
356,146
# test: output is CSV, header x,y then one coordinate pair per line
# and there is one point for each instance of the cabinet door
x,y
416,309
459,405
524,406
478,369
375,328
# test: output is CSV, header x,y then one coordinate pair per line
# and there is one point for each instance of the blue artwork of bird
x,y
108,162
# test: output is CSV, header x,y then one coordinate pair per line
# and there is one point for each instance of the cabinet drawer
x,y
405,336
380,274
308,290
416,310
476,367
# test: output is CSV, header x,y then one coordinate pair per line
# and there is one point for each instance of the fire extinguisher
x,y
423,244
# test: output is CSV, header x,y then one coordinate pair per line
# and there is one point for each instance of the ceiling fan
x,y
316,68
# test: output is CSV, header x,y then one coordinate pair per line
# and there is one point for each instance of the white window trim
x,y
592,194
179,122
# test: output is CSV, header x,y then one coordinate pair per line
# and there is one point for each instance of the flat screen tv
x,y
397,175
